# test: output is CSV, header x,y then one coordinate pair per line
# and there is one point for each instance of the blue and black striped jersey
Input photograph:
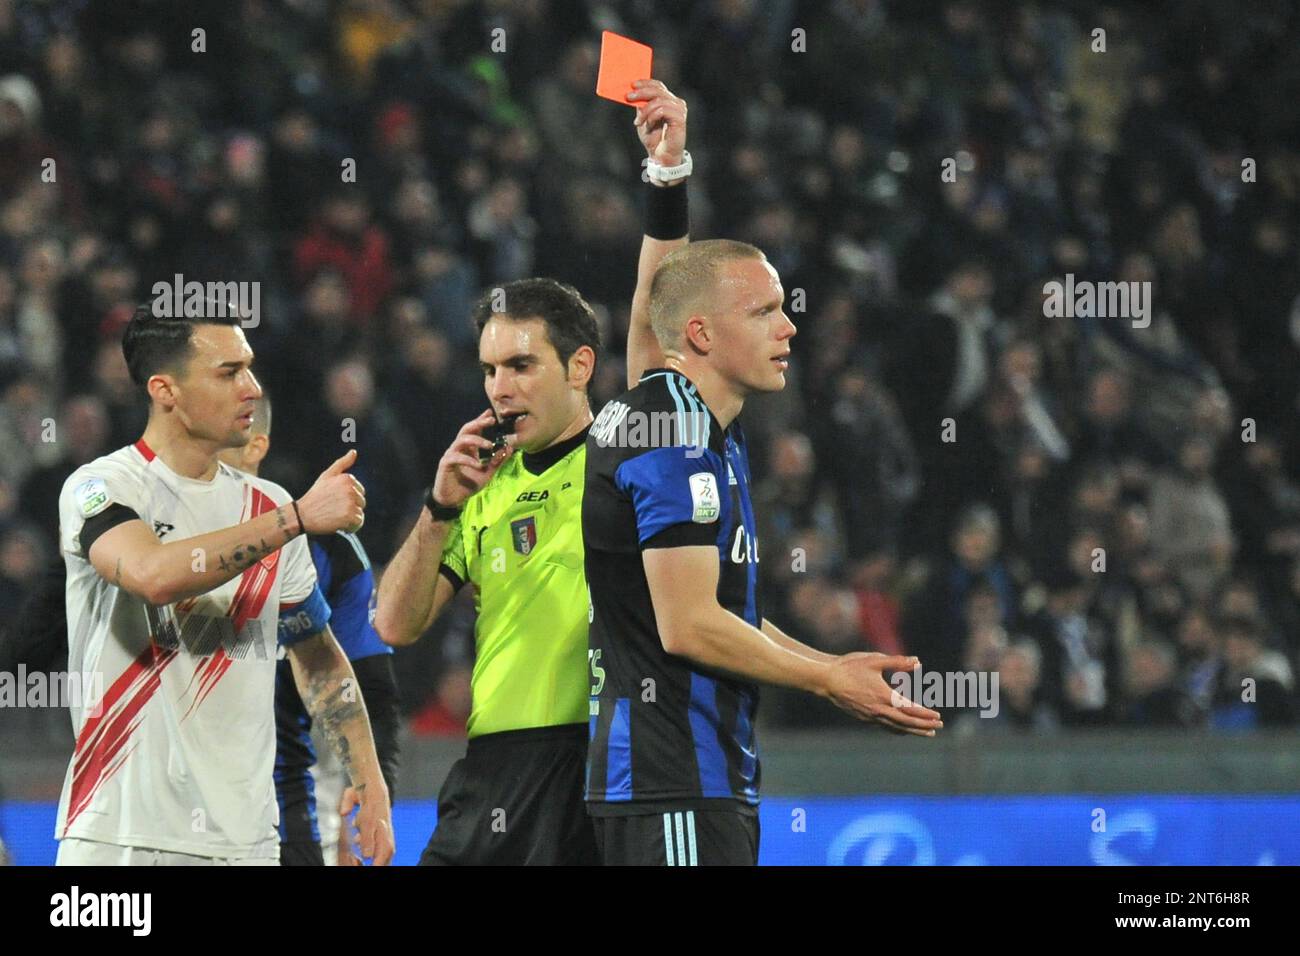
x,y
662,472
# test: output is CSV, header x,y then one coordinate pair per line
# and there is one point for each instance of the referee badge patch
x,y
704,498
91,497
524,535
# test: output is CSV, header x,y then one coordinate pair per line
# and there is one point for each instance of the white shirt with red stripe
x,y
179,752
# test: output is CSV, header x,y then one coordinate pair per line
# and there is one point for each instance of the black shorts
x,y
301,853
516,800
722,837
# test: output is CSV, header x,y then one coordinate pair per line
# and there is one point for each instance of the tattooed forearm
x,y
244,556
339,714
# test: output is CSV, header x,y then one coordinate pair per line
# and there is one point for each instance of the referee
x,y
512,528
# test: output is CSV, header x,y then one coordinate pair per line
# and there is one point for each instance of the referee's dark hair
x,y
153,343
570,321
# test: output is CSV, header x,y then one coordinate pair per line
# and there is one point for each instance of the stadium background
x,y
920,300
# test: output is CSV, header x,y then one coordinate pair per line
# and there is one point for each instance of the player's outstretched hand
x,y
660,121
374,828
460,472
336,502
858,686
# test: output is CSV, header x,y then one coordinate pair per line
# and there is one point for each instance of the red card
x,y
622,63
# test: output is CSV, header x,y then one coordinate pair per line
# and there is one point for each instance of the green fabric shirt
x,y
519,542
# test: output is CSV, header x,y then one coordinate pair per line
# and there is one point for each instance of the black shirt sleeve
x,y
109,518
683,535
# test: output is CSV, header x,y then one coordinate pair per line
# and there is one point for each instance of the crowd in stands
x,y
1104,511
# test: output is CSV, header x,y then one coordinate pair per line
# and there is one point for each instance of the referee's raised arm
x,y
661,124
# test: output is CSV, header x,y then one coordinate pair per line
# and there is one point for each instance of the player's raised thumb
x,y
343,464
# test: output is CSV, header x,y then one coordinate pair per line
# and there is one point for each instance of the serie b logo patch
x,y
704,498
524,535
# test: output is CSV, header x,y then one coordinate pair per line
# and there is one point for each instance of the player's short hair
x,y
153,344
570,321
686,278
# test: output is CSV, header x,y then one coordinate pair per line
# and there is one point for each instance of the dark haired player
x,y
509,526
181,572
678,639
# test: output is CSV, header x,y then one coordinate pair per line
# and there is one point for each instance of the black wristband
x,y
298,514
667,213
439,512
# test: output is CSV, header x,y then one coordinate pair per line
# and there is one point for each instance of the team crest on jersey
x,y
524,535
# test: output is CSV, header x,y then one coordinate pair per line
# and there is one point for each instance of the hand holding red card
x,y
622,63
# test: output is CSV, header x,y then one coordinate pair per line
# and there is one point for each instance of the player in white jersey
x,y
183,573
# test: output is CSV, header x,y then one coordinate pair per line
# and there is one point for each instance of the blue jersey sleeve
x,y
354,615
349,585
679,497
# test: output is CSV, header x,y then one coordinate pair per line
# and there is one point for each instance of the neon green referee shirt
x,y
519,542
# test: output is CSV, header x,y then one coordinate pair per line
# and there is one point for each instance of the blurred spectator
x,y
1255,685
1107,428
868,456
1151,694
934,624
431,400
501,232
22,556
1191,528
25,412
1201,659
126,407
351,416
986,639
965,341
794,512
1265,506
344,240
879,609
81,435
448,709
1080,670
1021,707
580,136
448,286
